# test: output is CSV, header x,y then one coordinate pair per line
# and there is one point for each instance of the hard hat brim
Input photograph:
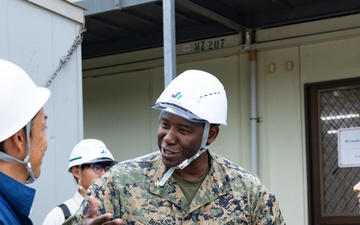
x,y
178,111
98,160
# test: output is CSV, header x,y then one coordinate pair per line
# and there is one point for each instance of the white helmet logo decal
x,y
177,95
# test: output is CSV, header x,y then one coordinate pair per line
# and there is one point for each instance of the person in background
x,y
184,182
89,160
22,141
357,190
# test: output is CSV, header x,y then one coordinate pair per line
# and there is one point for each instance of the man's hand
x,y
91,219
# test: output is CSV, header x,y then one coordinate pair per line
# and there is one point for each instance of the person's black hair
x,y
2,143
2,146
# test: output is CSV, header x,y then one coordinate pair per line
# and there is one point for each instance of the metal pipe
x,y
169,41
253,112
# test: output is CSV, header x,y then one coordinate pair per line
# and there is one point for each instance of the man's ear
x,y
15,145
213,133
75,170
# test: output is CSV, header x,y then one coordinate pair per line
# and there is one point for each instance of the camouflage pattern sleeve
x,y
118,191
267,209
107,199
260,206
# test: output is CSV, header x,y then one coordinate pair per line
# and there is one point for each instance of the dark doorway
x,y
330,106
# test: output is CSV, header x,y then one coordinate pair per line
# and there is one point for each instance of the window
x,y
328,107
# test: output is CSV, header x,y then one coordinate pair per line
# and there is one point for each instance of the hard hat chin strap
x,y
26,162
186,162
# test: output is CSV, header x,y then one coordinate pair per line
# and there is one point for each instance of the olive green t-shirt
x,y
189,187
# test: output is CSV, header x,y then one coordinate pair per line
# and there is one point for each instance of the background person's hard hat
x,y
89,151
195,95
20,98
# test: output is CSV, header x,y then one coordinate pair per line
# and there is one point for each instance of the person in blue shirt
x,y
22,141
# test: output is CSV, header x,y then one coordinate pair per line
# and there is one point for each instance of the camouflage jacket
x,y
228,195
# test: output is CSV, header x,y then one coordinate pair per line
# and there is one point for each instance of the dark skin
x,y
180,139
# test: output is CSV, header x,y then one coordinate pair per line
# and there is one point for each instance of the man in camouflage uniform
x,y
183,183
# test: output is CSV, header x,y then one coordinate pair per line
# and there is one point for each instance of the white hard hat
x,y
20,98
195,95
89,151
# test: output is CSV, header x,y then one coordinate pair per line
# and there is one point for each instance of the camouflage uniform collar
x,y
214,181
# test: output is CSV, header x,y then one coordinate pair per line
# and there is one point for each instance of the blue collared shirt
x,y
15,201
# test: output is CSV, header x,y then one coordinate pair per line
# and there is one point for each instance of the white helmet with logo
x,y
89,151
23,100
21,97
195,95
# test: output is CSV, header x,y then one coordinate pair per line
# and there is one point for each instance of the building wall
x,y
117,108
128,87
36,38
281,156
